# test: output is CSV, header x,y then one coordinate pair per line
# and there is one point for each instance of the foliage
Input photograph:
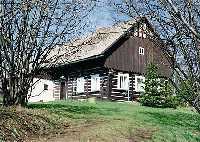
x,y
185,93
158,92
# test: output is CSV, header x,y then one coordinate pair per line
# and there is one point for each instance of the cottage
x,y
108,64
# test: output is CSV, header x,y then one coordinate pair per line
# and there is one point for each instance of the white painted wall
x,y
39,94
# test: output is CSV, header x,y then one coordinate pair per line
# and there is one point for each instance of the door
x,y
62,91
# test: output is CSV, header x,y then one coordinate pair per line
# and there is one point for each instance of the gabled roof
x,y
91,46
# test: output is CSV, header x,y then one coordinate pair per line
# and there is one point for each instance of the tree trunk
x,y
13,95
196,104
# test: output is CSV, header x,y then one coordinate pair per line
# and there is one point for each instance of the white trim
x,y
141,51
80,83
123,81
137,87
95,82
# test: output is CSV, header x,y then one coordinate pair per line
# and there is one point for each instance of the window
x,y
74,86
139,83
141,50
80,85
95,82
144,35
140,32
136,31
45,87
123,81
144,30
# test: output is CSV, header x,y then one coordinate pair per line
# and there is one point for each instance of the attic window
x,y
141,51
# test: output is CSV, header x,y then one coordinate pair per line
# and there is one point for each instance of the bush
x,y
158,91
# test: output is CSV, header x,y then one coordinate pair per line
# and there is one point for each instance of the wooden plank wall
x,y
103,74
115,93
56,93
122,95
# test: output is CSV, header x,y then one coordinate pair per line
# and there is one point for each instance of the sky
x,y
104,15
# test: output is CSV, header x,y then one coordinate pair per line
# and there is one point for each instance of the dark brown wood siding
x,y
103,74
109,91
124,56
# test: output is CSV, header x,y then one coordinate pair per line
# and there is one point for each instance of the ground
x,y
117,122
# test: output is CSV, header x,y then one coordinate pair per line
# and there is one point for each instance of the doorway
x,y
62,91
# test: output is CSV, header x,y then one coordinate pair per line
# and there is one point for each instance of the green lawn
x,y
111,121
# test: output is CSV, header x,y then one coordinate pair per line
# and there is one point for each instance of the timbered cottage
x,y
108,64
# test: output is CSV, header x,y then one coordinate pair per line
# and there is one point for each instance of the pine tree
x,y
158,93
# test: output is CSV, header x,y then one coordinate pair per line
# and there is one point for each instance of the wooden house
x,y
108,64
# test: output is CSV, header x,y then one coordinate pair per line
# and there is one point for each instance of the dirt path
x,y
101,131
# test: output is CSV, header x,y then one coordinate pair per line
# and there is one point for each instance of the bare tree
x,y
29,31
178,26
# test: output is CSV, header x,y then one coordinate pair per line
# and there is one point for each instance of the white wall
x,y
39,94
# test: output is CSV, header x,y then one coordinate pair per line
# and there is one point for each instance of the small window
x,y
144,35
74,86
141,50
45,87
136,31
123,81
144,27
95,82
140,33
139,83
80,85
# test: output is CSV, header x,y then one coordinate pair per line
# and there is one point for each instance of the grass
x,y
21,124
111,121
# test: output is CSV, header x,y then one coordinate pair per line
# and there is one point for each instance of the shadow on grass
x,y
178,119
65,109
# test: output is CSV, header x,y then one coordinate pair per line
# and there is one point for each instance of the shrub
x,y
158,91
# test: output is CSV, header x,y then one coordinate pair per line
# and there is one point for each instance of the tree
x,y
29,31
158,92
177,26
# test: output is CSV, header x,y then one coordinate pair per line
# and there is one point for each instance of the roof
x,y
90,46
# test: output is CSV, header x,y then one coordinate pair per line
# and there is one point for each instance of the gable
x,y
126,57
98,42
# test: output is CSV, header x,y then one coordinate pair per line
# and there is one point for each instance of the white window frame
x,y
144,31
95,83
80,85
74,86
141,51
123,81
140,32
137,87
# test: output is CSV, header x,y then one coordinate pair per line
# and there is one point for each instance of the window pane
x,y
80,84
123,81
139,84
141,50
95,83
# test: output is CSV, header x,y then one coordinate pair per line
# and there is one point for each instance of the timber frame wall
x,y
108,85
